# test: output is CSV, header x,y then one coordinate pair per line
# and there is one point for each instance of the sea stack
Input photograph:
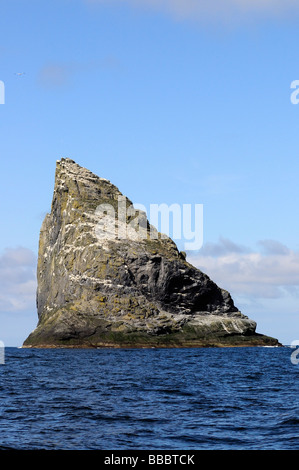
x,y
107,278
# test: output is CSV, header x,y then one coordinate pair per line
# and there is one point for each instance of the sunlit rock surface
x,y
108,278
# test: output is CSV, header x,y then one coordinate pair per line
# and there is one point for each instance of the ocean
x,y
149,399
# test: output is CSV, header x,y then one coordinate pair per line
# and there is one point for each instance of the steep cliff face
x,y
108,278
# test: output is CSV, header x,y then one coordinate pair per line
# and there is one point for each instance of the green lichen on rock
x,y
116,291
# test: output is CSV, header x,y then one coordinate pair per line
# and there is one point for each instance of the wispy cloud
x,y
222,248
219,10
55,75
272,273
273,247
269,273
60,74
17,279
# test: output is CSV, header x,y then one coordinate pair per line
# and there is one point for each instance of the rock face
x,y
108,278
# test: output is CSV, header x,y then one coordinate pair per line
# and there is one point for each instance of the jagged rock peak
x,y
98,289
70,169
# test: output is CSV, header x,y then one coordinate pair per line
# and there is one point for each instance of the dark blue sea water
x,y
174,399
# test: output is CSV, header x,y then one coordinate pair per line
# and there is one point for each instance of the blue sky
x,y
174,102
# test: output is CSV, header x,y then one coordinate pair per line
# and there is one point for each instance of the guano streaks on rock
x,y
122,291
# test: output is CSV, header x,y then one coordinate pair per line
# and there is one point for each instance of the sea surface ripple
x,y
183,399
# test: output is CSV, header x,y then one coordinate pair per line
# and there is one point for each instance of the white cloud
x,y
271,274
220,10
246,274
17,279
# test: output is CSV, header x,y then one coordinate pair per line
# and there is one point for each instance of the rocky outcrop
x,y
106,277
